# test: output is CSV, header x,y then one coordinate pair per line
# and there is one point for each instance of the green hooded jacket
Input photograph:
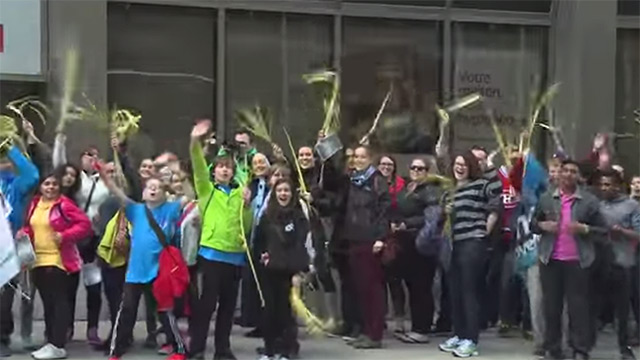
x,y
222,214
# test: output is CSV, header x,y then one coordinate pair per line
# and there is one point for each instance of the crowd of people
x,y
547,253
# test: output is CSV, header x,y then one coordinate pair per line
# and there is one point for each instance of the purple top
x,y
565,247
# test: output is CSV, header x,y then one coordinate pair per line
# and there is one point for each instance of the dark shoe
x,y
366,343
198,356
151,342
634,341
5,351
627,354
352,341
539,352
227,355
555,355
580,356
254,334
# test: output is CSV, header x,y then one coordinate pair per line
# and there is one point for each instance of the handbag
x,y
173,274
390,250
24,250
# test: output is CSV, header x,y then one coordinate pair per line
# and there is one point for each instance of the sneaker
x,y
50,352
177,357
92,337
5,350
165,350
352,341
398,327
265,357
450,345
366,343
627,354
466,349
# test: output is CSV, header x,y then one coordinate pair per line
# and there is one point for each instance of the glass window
x,y
510,5
629,7
267,54
379,54
162,62
628,97
504,63
440,3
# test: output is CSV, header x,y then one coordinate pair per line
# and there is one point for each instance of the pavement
x,y
491,347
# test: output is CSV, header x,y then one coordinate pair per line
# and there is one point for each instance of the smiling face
x,y
146,169
361,158
635,186
284,193
260,165
50,189
386,167
569,176
153,192
177,184
305,157
460,169
417,170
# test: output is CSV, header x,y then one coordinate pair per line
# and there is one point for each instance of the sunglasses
x,y
418,168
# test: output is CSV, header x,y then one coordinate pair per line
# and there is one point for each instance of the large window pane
x,y
267,54
628,96
162,63
401,2
383,53
506,5
506,64
629,7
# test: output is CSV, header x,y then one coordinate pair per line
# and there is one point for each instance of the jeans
x,y
220,282
351,312
534,288
620,279
466,277
560,280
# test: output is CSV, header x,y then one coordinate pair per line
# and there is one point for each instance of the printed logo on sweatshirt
x,y
289,227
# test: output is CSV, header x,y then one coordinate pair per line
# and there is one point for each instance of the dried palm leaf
x,y
303,186
331,123
9,134
456,105
314,325
32,103
124,123
257,121
543,101
68,88
365,138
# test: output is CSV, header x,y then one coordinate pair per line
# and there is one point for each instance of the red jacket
x,y
394,190
69,221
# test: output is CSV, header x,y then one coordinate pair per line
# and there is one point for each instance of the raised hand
x,y
200,129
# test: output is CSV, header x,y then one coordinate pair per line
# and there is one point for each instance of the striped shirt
x,y
472,204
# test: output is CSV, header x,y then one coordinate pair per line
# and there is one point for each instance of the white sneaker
x,y
450,345
265,357
466,349
50,352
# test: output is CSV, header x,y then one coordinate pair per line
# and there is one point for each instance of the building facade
x,y
179,60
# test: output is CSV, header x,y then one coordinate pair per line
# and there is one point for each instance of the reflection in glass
x,y
382,54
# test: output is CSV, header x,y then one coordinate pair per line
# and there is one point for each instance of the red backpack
x,y
173,274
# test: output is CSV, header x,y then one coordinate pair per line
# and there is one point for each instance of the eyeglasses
x,y
387,164
89,153
418,168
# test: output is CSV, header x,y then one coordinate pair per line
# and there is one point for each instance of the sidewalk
x,y
491,347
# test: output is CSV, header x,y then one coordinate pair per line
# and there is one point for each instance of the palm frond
x,y
330,79
124,123
303,186
69,88
257,121
32,103
542,101
365,138
456,105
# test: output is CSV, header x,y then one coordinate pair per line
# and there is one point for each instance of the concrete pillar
x,y
82,24
583,50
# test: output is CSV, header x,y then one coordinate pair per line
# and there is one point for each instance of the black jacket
x,y
411,206
283,236
366,210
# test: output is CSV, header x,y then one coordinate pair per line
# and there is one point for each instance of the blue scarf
x,y
360,178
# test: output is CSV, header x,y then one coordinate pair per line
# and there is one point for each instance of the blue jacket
x,y
17,186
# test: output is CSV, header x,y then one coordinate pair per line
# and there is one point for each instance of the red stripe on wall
x,y
1,38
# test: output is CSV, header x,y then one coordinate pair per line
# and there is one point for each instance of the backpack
x,y
173,275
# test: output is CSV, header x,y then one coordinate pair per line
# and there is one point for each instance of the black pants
x,y
418,272
351,313
94,301
566,280
635,294
113,284
251,309
126,320
466,278
620,280
7,293
396,291
219,290
444,317
49,280
277,316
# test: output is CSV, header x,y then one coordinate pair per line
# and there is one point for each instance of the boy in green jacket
x,y
222,254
